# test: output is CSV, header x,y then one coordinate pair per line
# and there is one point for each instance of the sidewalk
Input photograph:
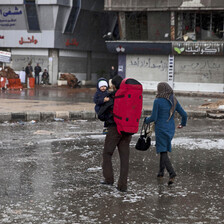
x,y
53,102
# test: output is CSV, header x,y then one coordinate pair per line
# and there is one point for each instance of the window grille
x,y
32,17
136,26
200,25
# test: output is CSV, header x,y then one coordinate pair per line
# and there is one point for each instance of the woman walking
x,y
164,108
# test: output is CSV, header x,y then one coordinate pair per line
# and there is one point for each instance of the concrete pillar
x,y
122,65
122,25
53,66
88,66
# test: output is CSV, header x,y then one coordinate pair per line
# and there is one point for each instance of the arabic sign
x,y
73,42
200,48
8,16
29,41
5,56
7,13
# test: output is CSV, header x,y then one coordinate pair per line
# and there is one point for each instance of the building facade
x,y
61,35
178,41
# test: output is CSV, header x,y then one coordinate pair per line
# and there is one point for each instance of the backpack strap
x,y
116,97
118,117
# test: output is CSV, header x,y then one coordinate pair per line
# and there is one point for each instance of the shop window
x,y
73,17
136,25
200,26
32,17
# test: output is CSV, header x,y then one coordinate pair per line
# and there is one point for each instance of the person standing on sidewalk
x,y
113,72
163,111
37,71
114,139
29,72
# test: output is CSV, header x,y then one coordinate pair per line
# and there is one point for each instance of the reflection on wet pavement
x,y
50,173
49,93
57,95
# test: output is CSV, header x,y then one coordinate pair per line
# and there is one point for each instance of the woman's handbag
x,y
144,141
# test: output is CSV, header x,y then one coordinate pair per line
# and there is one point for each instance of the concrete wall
x,y
199,69
198,73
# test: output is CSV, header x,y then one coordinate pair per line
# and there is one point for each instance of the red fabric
x,y
2,83
14,84
31,83
128,107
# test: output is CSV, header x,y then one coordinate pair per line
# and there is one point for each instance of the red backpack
x,y
128,106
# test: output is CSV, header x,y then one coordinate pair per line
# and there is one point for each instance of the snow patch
x,y
221,107
94,169
192,144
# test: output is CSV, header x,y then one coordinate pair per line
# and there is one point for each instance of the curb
x,y
190,114
46,116
78,115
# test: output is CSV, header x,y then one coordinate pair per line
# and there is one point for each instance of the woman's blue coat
x,y
164,128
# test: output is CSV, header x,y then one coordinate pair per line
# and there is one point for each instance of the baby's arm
x,y
106,99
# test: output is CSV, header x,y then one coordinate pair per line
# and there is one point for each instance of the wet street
x,y
50,174
63,98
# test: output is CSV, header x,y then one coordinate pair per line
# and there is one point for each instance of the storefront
x,y
180,42
59,35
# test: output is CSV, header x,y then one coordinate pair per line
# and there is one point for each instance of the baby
x,y
101,96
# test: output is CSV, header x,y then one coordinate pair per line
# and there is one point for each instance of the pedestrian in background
x,y
113,72
163,111
37,71
29,72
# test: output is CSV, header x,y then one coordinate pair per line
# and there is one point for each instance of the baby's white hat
x,y
102,83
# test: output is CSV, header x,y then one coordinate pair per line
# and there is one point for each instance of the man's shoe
x,y
171,181
106,183
160,176
121,189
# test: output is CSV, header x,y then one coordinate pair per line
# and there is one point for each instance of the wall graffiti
x,y
203,65
21,61
147,63
200,70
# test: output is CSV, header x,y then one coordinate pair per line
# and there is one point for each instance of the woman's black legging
x,y
165,163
